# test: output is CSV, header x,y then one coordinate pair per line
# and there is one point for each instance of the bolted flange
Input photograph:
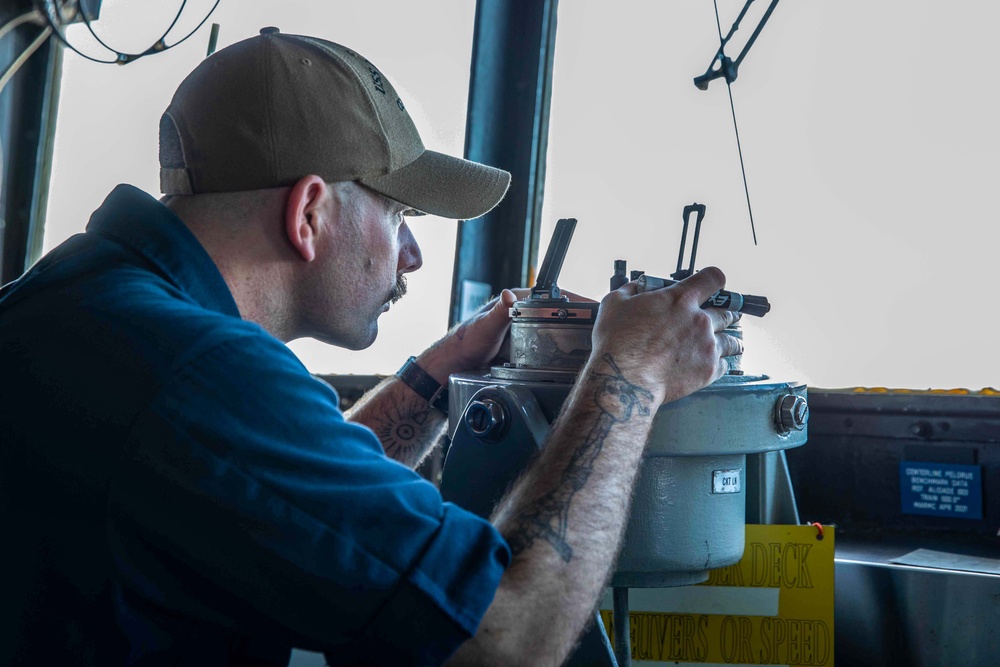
x,y
486,419
792,413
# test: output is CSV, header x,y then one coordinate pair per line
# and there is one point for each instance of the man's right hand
x,y
664,340
565,516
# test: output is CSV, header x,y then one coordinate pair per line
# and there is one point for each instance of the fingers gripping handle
x,y
757,306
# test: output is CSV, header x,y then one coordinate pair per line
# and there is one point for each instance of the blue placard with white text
x,y
941,489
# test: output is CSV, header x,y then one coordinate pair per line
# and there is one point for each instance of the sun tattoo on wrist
x,y
402,431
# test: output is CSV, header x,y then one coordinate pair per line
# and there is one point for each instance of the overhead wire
x,y
153,47
23,58
20,19
50,21
197,27
732,106
121,58
54,13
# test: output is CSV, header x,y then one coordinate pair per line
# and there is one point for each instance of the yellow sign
x,y
774,607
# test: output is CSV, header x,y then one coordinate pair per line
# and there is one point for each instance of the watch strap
x,y
420,381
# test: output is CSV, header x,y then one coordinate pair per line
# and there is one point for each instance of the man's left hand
x,y
480,341
474,343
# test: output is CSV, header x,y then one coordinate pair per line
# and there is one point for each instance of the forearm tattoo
x,y
402,431
617,400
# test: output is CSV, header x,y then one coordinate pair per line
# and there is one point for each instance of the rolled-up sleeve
x,y
246,501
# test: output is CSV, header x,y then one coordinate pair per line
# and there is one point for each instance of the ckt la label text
x,y
774,607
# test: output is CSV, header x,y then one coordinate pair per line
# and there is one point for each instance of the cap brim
x,y
443,185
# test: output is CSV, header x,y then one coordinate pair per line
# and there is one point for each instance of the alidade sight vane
x,y
681,274
758,306
546,287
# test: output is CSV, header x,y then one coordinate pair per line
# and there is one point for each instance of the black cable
x,y
125,58
180,10
19,20
197,27
718,24
159,46
739,147
43,7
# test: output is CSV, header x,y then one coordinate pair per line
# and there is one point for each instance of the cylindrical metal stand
x,y
623,638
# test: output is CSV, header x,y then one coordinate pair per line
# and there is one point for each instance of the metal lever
x,y
681,274
758,306
546,287
619,279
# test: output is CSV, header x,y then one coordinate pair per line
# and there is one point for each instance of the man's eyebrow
x,y
390,203
400,207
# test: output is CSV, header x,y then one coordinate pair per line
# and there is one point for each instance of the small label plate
x,y
727,481
941,489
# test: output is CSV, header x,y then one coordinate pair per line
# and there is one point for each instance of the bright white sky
x,y
868,130
871,144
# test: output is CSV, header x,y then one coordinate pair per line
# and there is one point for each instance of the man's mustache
x,y
399,290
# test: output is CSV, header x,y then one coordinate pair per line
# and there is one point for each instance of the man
x,y
176,489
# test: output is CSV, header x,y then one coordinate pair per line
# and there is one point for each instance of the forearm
x,y
564,520
565,517
406,425
403,421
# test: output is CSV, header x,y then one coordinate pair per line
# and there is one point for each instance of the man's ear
x,y
304,215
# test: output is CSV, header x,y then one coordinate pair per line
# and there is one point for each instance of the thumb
x,y
501,309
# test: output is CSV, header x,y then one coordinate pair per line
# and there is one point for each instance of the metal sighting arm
x,y
758,306
546,287
681,274
730,68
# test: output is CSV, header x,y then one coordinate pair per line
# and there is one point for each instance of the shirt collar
x,y
141,223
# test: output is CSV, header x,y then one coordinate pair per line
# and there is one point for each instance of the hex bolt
x,y
485,418
792,412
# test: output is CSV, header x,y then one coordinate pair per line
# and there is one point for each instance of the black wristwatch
x,y
420,381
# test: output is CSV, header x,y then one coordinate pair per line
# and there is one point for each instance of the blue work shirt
x,y
176,488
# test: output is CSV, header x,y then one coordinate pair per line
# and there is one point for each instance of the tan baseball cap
x,y
271,109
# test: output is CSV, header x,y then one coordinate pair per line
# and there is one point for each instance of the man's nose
x,y
410,258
